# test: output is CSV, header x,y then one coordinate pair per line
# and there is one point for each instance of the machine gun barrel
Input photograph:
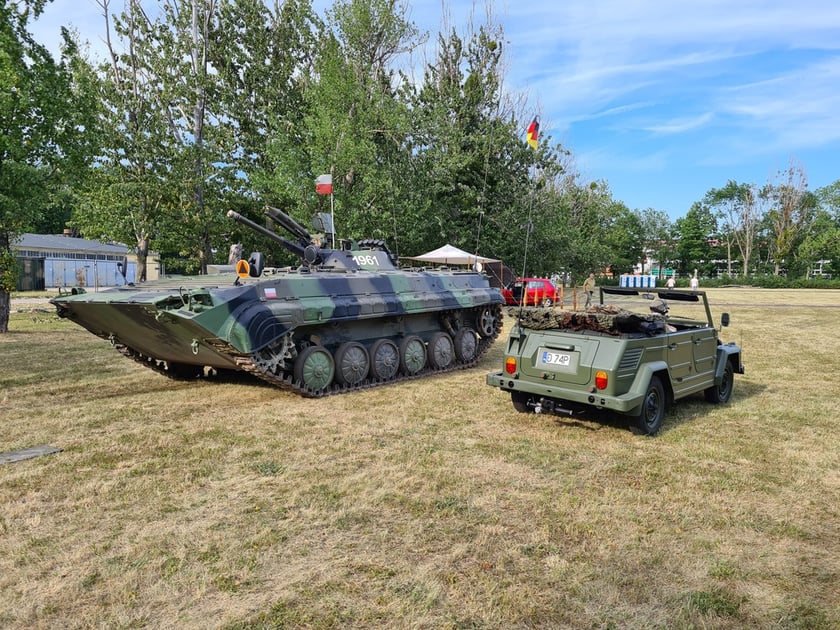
x,y
292,226
296,249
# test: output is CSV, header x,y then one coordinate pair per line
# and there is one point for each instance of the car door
x,y
704,344
691,359
680,359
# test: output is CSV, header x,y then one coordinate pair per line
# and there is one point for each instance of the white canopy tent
x,y
494,268
451,255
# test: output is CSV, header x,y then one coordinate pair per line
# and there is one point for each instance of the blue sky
x,y
662,100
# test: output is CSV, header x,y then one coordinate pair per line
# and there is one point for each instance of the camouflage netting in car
x,y
602,318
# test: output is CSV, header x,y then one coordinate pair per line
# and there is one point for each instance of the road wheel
x,y
718,394
466,345
412,355
520,402
351,363
485,322
649,420
548,303
315,368
441,351
384,360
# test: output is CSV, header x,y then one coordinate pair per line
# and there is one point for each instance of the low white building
x,y
51,261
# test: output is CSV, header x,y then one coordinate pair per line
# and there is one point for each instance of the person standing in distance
x,y
694,283
589,289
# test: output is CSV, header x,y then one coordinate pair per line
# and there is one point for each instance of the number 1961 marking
x,y
366,260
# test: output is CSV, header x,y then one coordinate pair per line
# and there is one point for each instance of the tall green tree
x,y
454,110
624,236
695,233
129,192
738,206
655,237
42,132
166,154
356,124
829,199
478,176
264,56
792,207
821,244
179,59
572,234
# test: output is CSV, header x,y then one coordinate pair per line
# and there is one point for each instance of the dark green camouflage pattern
x,y
345,319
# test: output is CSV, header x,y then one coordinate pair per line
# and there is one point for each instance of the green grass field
x,y
431,504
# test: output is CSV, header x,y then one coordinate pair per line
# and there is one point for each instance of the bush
x,y
767,281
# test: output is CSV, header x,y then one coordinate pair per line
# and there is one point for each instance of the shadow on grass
x,y
681,412
695,407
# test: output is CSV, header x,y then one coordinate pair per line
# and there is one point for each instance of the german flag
x,y
533,132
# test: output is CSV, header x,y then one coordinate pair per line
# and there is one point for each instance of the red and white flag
x,y
323,185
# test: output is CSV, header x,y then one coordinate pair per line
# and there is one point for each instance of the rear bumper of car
x,y
625,403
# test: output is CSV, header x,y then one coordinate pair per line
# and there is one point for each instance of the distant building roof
x,y
58,242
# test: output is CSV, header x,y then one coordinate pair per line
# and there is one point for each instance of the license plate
x,y
555,358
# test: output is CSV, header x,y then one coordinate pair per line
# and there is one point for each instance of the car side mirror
x,y
724,320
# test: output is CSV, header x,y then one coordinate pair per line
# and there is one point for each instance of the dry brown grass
x,y
429,505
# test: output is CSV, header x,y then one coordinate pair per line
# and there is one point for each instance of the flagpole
x,y
528,228
533,141
332,218
323,186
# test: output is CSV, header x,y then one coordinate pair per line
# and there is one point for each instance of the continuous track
x,y
285,380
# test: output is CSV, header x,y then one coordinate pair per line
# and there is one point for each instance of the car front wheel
x,y
718,394
650,417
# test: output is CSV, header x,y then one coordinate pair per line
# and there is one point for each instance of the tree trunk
x,y
729,257
7,278
5,307
142,259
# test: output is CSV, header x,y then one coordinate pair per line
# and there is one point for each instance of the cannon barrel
x,y
295,248
292,226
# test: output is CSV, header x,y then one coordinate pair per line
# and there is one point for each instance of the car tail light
x,y
510,365
601,380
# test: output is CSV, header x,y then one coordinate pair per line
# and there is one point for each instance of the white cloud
x,y
681,125
644,85
796,109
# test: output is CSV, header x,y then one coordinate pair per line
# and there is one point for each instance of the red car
x,y
531,292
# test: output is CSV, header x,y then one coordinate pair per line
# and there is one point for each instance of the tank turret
x,y
314,254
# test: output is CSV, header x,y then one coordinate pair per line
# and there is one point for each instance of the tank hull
x,y
354,320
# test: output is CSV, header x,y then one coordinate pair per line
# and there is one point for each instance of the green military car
x,y
634,353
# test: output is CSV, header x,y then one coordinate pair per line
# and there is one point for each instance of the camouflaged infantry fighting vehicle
x,y
343,319
634,353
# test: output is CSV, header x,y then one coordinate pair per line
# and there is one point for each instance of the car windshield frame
x,y
684,306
